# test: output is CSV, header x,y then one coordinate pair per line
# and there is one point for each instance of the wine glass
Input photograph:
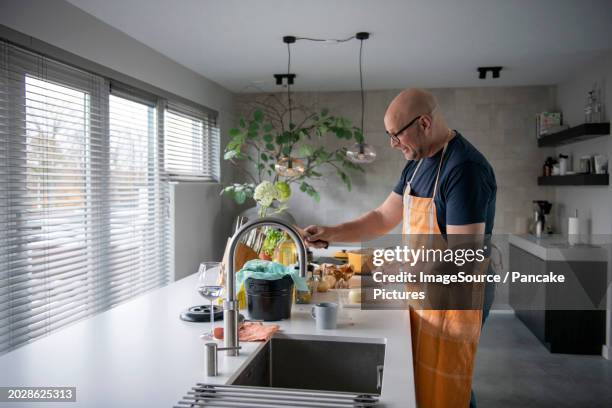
x,y
209,286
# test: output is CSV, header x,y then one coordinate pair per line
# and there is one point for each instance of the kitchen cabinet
x,y
561,331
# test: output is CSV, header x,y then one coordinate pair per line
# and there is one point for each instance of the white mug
x,y
325,315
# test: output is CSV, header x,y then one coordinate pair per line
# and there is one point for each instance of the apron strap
x,y
438,173
415,171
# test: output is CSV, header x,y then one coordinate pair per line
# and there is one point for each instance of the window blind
x,y
83,222
191,143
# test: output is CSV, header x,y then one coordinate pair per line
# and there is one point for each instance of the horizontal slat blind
x,y
83,224
191,143
138,234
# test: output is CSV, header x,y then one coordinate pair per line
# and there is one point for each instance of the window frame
x,y
210,141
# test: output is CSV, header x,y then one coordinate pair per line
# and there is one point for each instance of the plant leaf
x,y
258,115
305,151
358,136
345,179
308,189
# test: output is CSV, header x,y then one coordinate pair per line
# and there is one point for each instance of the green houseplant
x,y
275,147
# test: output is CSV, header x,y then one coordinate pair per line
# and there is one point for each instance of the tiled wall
x,y
498,121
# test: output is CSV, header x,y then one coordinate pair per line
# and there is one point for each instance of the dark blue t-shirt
x,y
466,189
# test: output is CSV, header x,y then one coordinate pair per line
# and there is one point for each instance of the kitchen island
x,y
140,354
565,318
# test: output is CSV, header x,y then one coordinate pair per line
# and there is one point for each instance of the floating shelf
x,y
575,180
575,134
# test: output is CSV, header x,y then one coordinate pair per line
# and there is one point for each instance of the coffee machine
x,y
542,209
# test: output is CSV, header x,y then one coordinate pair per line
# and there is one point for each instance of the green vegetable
x,y
273,239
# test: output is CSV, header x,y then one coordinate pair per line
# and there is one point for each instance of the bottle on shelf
x,y
588,108
598,107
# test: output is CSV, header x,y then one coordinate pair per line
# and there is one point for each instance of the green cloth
x,y
260,269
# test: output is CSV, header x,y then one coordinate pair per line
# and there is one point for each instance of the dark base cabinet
x,y
561,331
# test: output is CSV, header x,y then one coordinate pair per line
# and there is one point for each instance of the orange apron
x,y
444,342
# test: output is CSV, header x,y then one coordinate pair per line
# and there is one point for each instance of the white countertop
x,y
557,248
140,354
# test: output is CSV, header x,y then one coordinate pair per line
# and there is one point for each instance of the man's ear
x,y
425,122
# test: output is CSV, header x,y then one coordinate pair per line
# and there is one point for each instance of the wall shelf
x,y
575,134
575,180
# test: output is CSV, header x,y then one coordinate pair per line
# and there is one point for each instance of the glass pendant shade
x,y
289,167
361,153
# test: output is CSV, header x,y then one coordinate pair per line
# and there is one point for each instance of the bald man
x,y
463,200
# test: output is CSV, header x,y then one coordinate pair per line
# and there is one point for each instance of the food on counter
x,y
218,333
303,297
330,280
323,286
336,276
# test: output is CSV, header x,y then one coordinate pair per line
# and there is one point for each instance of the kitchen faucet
x,y
230,305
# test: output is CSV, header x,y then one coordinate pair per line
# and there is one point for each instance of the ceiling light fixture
x,y
288,166
361,152
482,72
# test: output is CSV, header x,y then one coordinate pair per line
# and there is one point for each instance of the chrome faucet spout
x,y
230,305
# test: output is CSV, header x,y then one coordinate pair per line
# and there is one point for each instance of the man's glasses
x,y
394,136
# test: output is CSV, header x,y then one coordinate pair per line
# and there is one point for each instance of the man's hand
x,y
317,236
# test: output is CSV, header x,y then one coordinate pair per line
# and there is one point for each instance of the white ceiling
x,y
434,43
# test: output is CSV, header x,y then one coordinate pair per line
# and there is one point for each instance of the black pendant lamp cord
x,y
362,95
327,40
289,85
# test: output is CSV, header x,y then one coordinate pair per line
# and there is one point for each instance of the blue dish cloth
x,y
260,269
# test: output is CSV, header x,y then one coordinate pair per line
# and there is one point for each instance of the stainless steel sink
x,y
322,363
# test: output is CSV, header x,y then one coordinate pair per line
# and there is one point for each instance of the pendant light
x,y
288,166
361,152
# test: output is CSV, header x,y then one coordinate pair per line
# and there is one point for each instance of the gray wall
x,y
498,121
67,27
594,204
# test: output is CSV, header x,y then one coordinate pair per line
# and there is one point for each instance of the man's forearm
x,y
368,226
